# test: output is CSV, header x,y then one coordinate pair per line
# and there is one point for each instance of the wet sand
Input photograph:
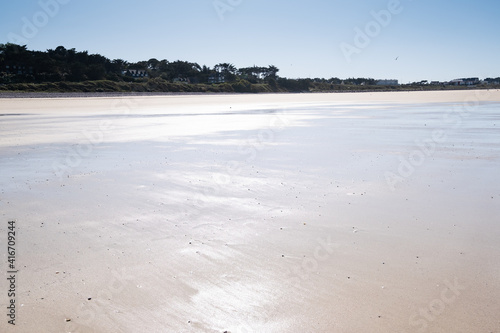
x,y
370,212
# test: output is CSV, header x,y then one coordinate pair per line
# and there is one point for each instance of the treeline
x,y
20,65
60,69
68,70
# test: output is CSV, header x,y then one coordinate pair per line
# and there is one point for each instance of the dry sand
x,y
371,212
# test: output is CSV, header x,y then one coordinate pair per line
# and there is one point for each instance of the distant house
x,y
387,83
457,82
19,69
435,83
490,81
465,81
216,78
135,73
181,80
472,81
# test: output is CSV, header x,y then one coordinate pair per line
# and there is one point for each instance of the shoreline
x,y
69,95
62,94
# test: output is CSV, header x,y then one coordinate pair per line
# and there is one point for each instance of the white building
x,y
465,81
387,83
135,72
216,78
457,82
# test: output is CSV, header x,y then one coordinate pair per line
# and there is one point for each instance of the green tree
x,y
78,72
226,69
153,64
96,72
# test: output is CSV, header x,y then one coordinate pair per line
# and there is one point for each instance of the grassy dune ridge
x,y
241,86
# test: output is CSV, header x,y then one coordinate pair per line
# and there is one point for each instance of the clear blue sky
x,y
431,39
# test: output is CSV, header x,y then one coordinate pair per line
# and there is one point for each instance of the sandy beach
x,y
369,212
